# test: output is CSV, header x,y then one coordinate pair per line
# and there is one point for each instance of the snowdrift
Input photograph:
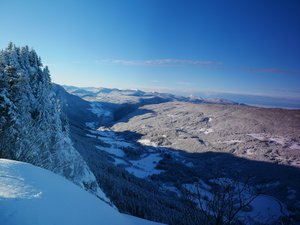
x,y
31,195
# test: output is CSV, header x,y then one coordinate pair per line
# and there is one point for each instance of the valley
x,y
161,148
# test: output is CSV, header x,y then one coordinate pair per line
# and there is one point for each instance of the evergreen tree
x,y
7,117
30,122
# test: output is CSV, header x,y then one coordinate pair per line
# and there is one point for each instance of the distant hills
x,y
115,95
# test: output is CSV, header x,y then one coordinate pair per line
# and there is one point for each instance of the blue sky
x,y
250,47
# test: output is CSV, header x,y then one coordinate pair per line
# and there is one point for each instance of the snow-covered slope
x,y
31,195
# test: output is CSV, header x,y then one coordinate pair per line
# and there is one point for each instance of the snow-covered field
x,y
114,151
145,166
33,196
98,110
147,142
142,167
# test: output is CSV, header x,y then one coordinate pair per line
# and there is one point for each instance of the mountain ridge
x,y
98,94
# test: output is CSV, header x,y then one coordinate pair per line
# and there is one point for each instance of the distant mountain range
x,y
115,95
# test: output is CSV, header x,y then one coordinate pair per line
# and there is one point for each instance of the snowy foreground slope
x,y
30,195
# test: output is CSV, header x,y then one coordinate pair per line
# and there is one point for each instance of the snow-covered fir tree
x,y
30,121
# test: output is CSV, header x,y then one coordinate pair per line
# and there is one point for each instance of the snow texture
x,y
34,196
145,166
147,142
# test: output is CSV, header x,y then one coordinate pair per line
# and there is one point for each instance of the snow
x,y
103,129
250,151
264,209
119,161
189,164
141,168
147,142
30,195
171,115
115,142
145,166
15,187
114,151
98,110
208,131
278,140
259,137
232,141
170,188
200,186
91,135
90,125
295,146
110,138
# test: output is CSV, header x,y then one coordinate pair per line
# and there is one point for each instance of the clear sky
x,y
250,47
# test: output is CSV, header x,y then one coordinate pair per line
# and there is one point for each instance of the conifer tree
x,y
30,121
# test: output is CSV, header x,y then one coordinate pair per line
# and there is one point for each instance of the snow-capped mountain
x,y
31,195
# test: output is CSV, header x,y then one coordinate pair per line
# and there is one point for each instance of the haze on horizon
x,y
240,47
